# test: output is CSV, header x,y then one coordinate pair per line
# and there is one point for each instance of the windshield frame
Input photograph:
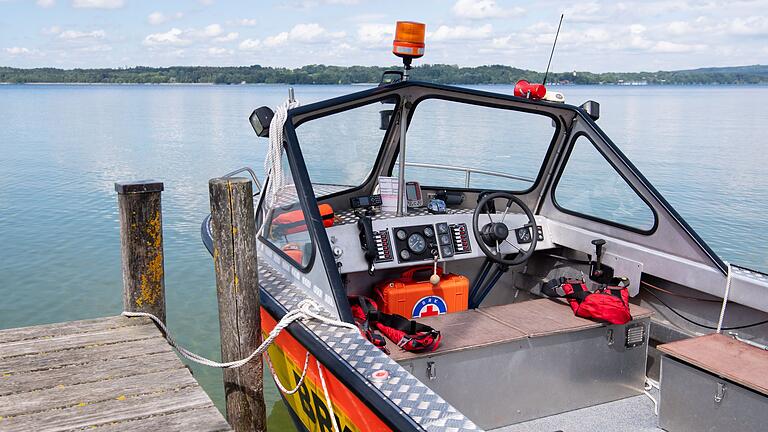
x,y
468,101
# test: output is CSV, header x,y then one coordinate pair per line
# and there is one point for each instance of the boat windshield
x,y
340,150
461,145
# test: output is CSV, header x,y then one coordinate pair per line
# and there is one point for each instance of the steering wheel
x,y
494,233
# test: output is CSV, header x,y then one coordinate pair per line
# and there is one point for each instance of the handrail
x,y
467,171
250,171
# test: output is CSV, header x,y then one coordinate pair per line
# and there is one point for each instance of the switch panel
x,y
460,238
383,246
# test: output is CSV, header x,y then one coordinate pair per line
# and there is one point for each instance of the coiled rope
x,y
273,163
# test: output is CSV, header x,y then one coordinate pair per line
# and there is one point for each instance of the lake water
x,y
63,147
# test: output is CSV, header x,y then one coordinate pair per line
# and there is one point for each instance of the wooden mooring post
x,y
141,246
237,287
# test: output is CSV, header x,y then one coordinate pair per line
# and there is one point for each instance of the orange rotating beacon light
x,y
409,43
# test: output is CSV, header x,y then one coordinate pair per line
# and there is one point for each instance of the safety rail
x,y
467,172
253,175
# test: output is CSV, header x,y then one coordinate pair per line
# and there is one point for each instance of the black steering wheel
x,y
492,236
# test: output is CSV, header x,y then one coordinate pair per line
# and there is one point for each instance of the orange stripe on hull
x,y
309,405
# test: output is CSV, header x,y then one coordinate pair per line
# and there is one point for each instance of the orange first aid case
x,y
413,298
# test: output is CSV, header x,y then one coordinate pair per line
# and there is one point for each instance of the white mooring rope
x,y
273,163
725,299
307,309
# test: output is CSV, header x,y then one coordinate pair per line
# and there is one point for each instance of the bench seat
x,y
476,328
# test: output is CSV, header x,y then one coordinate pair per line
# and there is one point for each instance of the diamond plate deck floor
x,y
632,414
106,374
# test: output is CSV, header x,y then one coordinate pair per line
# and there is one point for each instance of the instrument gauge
x,y
417,243
405,255
401,234
429,232
523,235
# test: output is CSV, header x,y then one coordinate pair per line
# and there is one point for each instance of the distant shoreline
x,y
346,75
150,84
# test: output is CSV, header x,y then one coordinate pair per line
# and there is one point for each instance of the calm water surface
x,y
63,147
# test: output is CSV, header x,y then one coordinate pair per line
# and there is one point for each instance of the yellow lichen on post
x,y
150,289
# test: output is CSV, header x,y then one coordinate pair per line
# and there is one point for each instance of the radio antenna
x,y
553,49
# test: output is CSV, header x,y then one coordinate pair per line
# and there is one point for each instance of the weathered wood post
x,y
141,246
233,229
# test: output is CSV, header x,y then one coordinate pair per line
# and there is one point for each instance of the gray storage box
x,y
693,399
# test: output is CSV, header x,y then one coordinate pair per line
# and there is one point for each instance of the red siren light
x,y
409,39
531,91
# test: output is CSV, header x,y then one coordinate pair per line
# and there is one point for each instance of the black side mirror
x,y
260,119
386,118
592,108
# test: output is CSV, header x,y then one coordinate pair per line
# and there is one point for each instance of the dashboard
x,y
413,239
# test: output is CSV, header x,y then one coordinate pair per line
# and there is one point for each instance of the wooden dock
x,y
106,374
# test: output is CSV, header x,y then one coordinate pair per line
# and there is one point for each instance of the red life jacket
x,y
407,334
609,304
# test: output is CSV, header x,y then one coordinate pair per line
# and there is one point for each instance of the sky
x,y
598,36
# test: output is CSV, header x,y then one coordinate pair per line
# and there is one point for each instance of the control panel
x,y
415,243
460,237
383,246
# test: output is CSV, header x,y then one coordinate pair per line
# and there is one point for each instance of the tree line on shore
x,y
322,74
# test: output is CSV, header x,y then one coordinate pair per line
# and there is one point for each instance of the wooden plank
x,y
203,419
463,330
59,343
76,356
98,369
725,357
67,328
539,317
114,410
75,395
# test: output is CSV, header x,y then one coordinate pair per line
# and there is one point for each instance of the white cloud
x,y
14,51
672,47
171,37
250,45
52,30
212,30
246,22
46,3
219,52
156,18
80,35
276,40
376,34
229,37
98,4
311,33
482,9
460,33
754,25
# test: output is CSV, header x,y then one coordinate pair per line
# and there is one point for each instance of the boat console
x,y
414,239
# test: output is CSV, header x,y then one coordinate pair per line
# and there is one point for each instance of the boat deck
x,y
105,374
631,414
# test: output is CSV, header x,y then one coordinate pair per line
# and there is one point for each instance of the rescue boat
x,y
439,232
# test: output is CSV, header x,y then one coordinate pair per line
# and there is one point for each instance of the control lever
x,y
597,270
435,278
367,242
